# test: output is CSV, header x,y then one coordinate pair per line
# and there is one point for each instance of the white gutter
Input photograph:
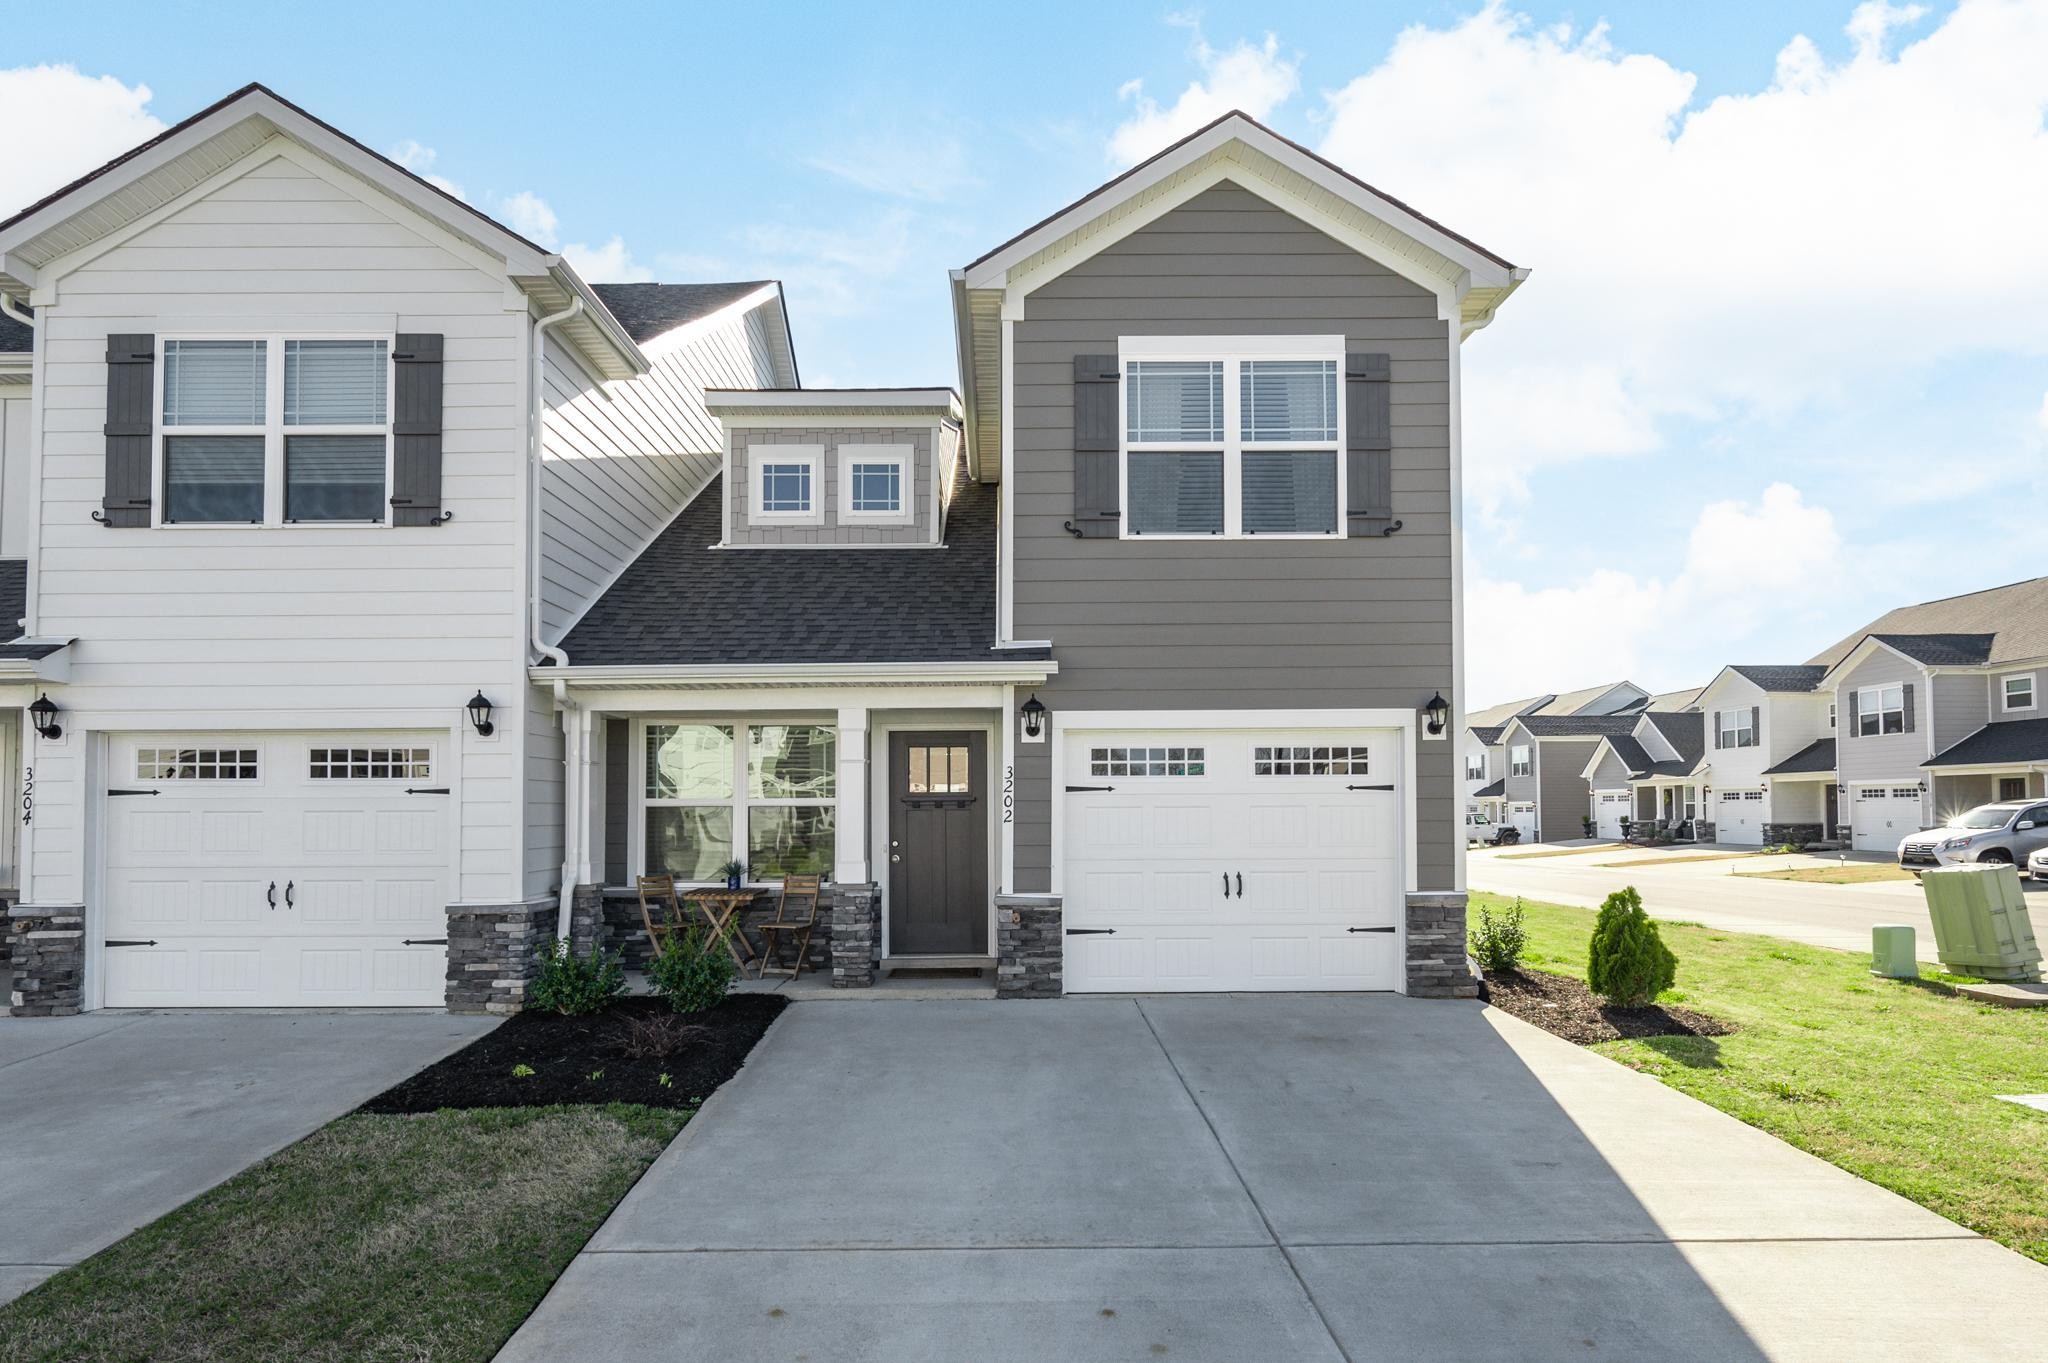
x,y
13,309
866,674
533,462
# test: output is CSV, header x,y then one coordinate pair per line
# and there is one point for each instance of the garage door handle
x,y
271,894
1240,884
1368,929
1226,884
134,792
288,894
1091,932
1368,787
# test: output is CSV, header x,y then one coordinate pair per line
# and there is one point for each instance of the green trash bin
x,y
1892,952
1981,925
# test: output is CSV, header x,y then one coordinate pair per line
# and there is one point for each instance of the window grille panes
x,y
1287,400
370,764
1310,760
787,840
335,383
1179,401
939,771
1175,494
792,762
1290,493
877,487
786,487
213,478
689,842
689,762
215,383
334,478
1163,761
195,764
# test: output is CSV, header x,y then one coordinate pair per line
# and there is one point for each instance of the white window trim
x,y
1231,350
1870,701
273,429
759,457
1523,765
1736,730
2005,691
903,457
739,802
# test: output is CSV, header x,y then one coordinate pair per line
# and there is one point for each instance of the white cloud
x,y
1745,562
65,124
929,166
528,214
837,272
610,263
1255,79
419,158
1761,254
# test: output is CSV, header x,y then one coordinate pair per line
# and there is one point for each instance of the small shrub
x,y
656,1036
694,970
522,1071
1628,964
1500,939
1586,822
572,984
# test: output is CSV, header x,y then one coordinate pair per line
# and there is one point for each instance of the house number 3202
x,y
1009,793
28,795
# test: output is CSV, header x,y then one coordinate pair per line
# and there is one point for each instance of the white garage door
x,y
274,870
1232,860
1609,809
1739,817
1881,815
1524,818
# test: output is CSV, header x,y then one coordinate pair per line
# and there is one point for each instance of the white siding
x,y
14,505
542,846
621,460
289,628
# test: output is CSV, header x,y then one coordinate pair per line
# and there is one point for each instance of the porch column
x,y
850,859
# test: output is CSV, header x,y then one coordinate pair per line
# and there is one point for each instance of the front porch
x,y
1669,810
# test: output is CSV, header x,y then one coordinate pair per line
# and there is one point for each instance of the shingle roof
x,y
2016,616
1686,732
1794,679
1489,734
683,601
1942,650
1632,754
2019,740
1817,756
648,310
1572,702
1578,726
15,339
1492,792
1496,715
1674,700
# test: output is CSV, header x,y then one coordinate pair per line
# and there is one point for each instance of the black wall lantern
x,y
43,714
480,715
1439,712
1033,712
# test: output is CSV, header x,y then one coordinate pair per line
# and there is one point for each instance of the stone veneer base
x,y
46,949
1438,966
1030,946
491,952
1778,834
856,933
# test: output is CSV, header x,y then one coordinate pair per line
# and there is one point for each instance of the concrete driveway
x,y
1250,1178
109,1120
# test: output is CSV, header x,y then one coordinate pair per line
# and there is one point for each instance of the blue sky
x,y
1780,365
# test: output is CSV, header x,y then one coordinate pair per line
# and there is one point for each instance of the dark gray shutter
x,y
1717,730
1909,707
1098,512
131,421
1756,726
1852,715
1369,443
416,430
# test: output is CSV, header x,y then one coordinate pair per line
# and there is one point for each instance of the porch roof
x,y
686,602
2008,742
1815,759
1498,790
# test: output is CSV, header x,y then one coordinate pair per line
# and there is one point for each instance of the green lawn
x,y
424,1239
1892,1081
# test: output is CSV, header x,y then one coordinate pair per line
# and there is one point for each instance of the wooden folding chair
x,y
663,888
796,916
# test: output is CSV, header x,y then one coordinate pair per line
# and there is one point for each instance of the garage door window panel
x,y
1310,760
370,764
197,764
1157,760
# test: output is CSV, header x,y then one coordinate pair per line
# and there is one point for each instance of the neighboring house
x,y
1940,709
1770,750
1655,773
1485,759
1547,790
318,455
1131,666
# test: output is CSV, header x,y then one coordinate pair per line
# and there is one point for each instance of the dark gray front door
x,y
1834,813
938,844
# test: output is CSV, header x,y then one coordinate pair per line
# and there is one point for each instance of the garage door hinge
x,y
1074,788
426,790
1368,929
1091,932
426,941
1368,787
134,792
150,943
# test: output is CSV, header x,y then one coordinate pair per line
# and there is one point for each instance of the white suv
x,y
2010,833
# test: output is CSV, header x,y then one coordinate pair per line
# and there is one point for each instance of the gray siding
x,y
1564,797
1957,708
1236,624
1520,789
1611,774
1881,757
746,440
1994,687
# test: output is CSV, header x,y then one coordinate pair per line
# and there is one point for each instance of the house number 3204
x,y
1009,793
28,795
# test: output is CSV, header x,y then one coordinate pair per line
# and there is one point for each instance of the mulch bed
x,y
1567,1008
586,1060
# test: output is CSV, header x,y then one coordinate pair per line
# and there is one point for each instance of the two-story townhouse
x,y
1656,773
316,460
1938,710
1770,749
1486,756
1547,788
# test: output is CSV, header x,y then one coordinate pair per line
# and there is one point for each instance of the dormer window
x,y
875,484
788,483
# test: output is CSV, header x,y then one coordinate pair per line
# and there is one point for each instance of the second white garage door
x,y
276,870
1235,859
1882,815
1739,817
1610,807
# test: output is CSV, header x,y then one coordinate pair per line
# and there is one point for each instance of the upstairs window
x,y
1518,760
1735,728
1880,710
2018,691
875,484
1232,445
787,484
1475,769
275,430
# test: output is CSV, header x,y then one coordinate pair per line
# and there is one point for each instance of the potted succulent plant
x,y
735,873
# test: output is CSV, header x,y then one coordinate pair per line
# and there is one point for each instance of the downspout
x,y
565,903
13,309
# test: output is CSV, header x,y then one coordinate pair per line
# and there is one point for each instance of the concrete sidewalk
x,y
1278,1177
111,1119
